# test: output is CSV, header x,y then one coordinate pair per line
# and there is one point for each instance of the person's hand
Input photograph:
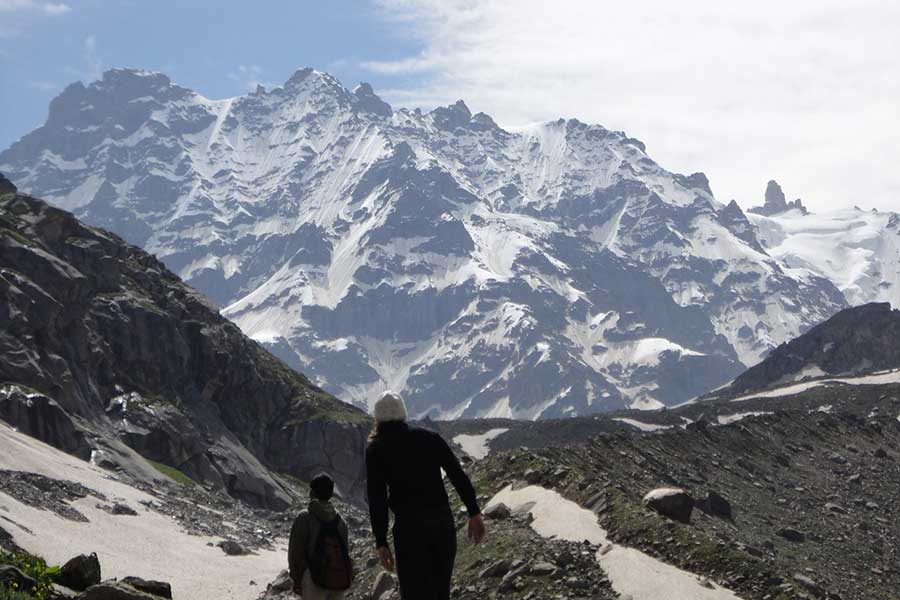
x,y
386,557
476,528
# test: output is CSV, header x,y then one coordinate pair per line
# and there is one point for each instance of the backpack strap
x,y
314,525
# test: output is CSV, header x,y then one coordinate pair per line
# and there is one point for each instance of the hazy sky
x,y
806,92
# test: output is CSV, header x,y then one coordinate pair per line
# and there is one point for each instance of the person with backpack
x,y
319,548
404,465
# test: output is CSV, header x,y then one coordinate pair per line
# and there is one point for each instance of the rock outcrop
x,y
776,203
105,351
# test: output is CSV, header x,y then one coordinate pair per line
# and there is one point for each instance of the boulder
x,y
497,512
674,503
80,572
12,577
792,535
115,590
715,505
533,476
232,548
123,509
159,589
7,542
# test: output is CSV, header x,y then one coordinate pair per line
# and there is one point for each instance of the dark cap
x,y
321,487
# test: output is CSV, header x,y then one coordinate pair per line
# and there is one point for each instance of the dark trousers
x,y
425,548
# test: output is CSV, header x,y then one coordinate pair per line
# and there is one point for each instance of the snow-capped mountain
x,y
856,249
544,271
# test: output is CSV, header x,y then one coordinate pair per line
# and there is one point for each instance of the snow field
x,y
476,446
631,572
149,545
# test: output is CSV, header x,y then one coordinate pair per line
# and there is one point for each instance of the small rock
x,y
716,505
542,569
792,535
835,508
232,548
159,589
383,584
497,569
282,583
123,509
497,512
533,476
809,585
115,590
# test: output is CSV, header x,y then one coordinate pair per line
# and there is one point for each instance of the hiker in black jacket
x,y
318,551
404,466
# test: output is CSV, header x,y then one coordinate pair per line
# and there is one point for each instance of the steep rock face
x,y
548,271
776,203
856,341
101,345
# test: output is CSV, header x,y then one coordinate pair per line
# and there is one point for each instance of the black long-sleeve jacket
x,y
403,466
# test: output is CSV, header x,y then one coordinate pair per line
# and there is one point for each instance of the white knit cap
x,y
390,407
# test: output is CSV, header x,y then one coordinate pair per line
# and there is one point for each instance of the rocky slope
x,y
106,354
856,341
553,270
794,497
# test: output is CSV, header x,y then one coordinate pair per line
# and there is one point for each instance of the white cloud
x,y
93,65
805,92
56,8
47,8
45,86
249,76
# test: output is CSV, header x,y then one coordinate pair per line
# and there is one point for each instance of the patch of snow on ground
x,y
631,572
476,446
727,419
649,427
881,378
149,545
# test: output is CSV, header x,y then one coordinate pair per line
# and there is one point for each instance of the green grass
x,y
10,594
172,473
33,566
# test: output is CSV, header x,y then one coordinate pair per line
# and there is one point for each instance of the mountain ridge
x,y
433,253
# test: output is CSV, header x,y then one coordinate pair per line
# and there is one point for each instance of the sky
x,y
804,92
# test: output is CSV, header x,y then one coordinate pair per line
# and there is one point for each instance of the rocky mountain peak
x,y
776,203
369,101
697,181
452,116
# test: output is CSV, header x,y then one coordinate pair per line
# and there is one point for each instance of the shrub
x,y
33,566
